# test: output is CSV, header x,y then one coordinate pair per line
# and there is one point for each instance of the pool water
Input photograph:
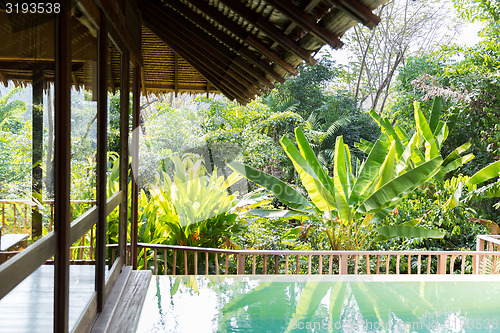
x,y
195,304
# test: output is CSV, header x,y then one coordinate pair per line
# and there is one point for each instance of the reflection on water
x,y
319,304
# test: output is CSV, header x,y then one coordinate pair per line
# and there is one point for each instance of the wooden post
x,y
241,264
343,264
442,258
124,128
479,258
62,158
134,211
36,151
102,128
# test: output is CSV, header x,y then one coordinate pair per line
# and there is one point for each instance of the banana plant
x,y
351,203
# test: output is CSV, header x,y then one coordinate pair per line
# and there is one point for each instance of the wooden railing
x,y
173,260
16,214
487,262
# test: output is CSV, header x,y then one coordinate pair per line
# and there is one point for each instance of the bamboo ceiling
x,y
240,48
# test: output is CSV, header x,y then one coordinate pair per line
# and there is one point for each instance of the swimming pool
x,y
322,304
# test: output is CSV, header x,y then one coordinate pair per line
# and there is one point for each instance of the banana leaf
x,y
281,190
486,173
313,178
391,191
386,126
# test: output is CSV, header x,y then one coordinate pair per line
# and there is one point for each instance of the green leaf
x,y
276,213
389,130
364,145
340,181
431,149
281,190
406,182
435,114
408,231
312,177
486,173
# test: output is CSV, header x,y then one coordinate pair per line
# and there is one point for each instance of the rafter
x,y
239,31
269,29
306,22
234,44
358,11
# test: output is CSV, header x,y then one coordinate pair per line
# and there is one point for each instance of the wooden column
x,y
136,91
102,126
124,124
62,153
36,151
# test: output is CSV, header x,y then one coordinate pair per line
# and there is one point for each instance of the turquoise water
x,y
195,304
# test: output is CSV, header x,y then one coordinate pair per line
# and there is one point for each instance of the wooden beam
x,y
113,11
124,151
269,29
358,11
235,45
37,151
134,209
239,31
306,22
62,168
102,129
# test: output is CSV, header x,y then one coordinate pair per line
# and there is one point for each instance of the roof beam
x,y
234,44
358,11
306,22
243,34
218,53
269,29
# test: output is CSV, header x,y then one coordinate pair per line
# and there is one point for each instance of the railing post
x,y
240,270
479,258
442,258
343,264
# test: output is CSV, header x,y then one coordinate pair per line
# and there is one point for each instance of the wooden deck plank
x,y
124,305
29,307
126,316
10,240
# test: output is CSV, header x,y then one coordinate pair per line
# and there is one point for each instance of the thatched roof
x,y
240,48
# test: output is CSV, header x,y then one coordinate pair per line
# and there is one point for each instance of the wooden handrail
x,y
310,252
346,262
17,268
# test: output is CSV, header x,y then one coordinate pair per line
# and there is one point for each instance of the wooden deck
x,y
29,307
8,241
124,305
